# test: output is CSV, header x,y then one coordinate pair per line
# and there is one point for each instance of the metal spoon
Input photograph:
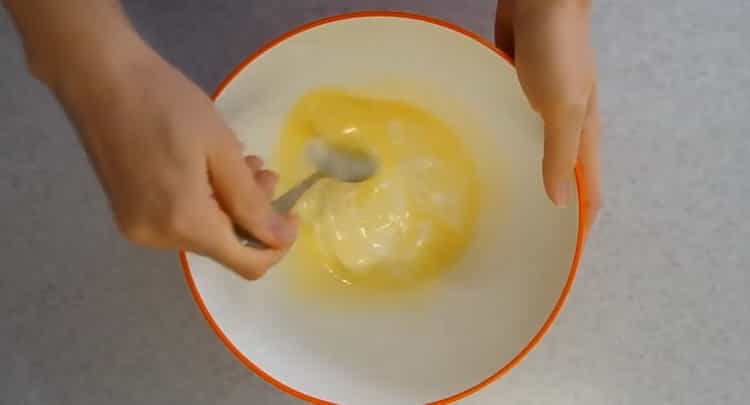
x,y
349,166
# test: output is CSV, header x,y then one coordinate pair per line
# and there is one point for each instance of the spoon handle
x,y
286,202
282,205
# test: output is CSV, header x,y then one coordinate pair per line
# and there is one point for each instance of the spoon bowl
x,y
347,165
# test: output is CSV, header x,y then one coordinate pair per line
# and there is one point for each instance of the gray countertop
x,y
659,313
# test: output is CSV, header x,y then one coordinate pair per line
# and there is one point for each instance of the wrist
x,y
97,79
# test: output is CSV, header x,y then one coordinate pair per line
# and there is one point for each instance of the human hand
x,y
551,45
173,170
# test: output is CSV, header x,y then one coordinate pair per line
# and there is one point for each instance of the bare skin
x,y
550,41
173,170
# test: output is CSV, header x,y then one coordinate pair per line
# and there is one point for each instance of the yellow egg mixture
x,y
399,229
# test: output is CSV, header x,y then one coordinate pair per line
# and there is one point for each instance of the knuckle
x,y
241,260
249,271
178,219
134,228
248,210
228,142
257,268
574,104
251,275
267,180
254,162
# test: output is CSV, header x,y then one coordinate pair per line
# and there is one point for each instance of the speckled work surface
x,y
659,312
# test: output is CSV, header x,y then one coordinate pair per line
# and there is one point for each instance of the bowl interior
x,y
479,318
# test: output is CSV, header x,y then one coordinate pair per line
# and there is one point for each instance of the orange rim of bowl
x,y
534,340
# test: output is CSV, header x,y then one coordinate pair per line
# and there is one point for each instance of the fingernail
x,y
561,193
283,230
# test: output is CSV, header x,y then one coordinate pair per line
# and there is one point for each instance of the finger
x,y
562,131
554,57
215,238
589,161
267,181
254,162
244,200
249,263
554,62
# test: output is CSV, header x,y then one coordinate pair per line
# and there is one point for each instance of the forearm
x,y
73,37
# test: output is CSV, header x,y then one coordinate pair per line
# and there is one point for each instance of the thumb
x,y
562,134
245,200
555,67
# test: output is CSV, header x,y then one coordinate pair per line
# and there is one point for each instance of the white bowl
x,y
483,316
